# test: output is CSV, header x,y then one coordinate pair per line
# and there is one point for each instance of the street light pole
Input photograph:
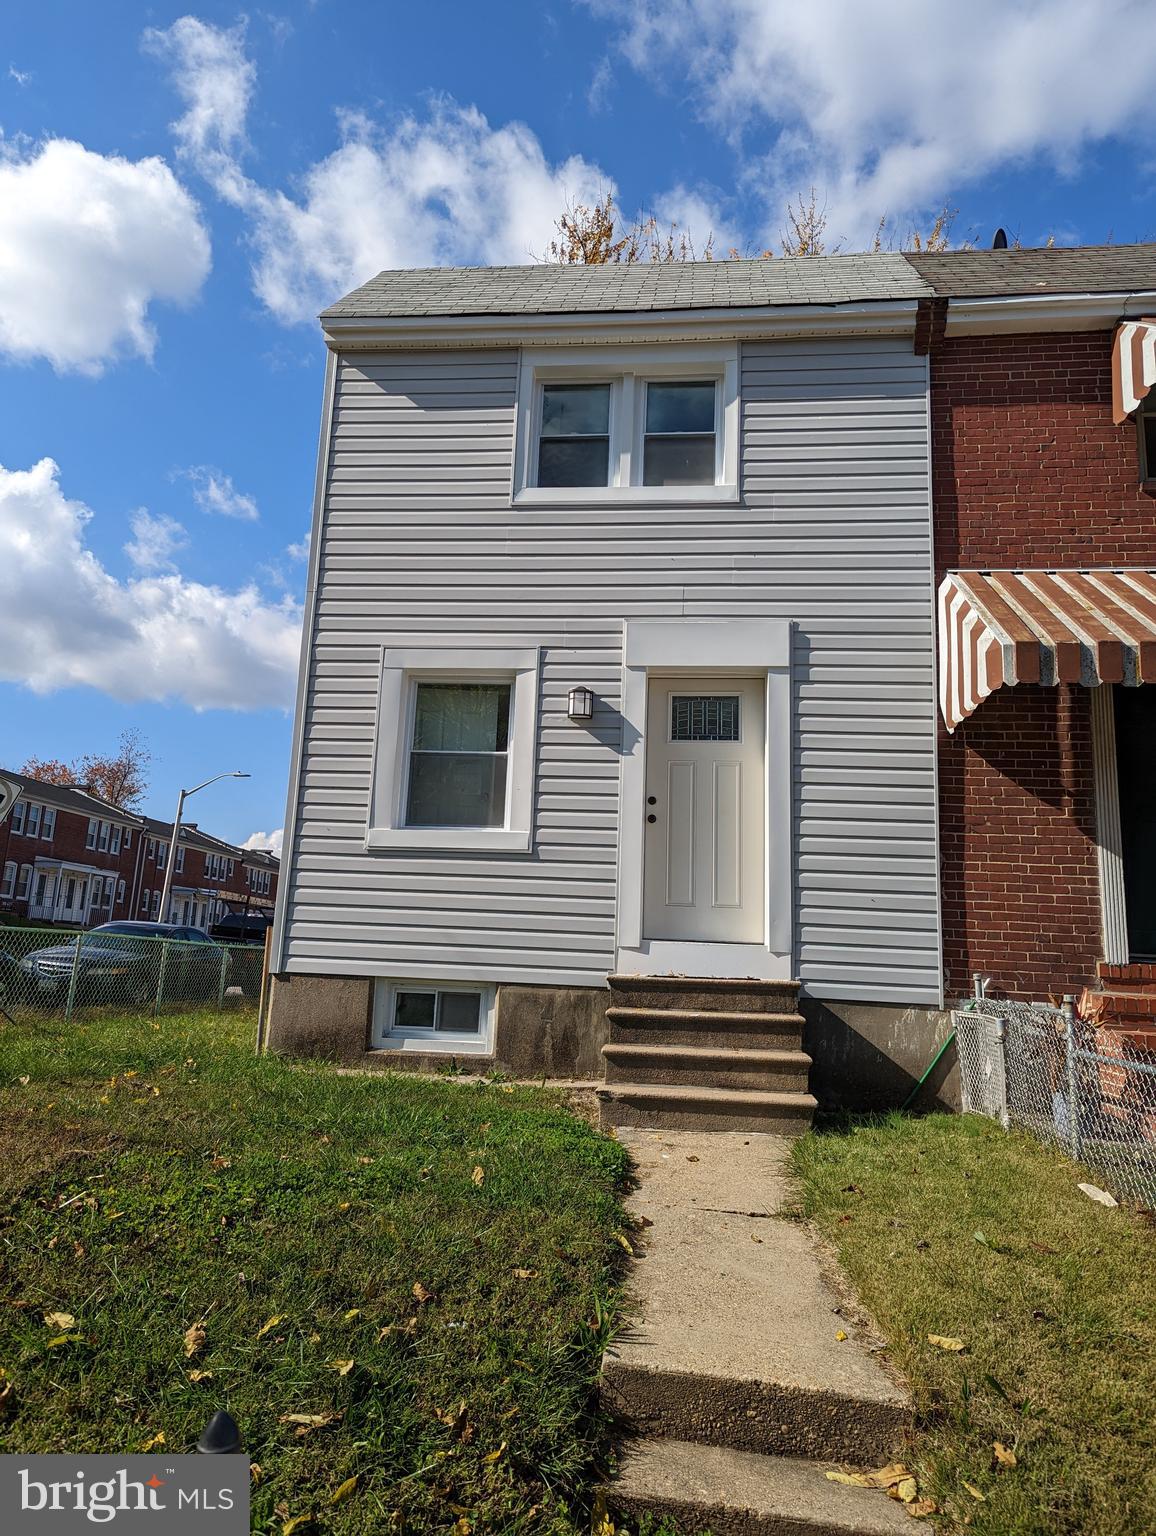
x,y
174,841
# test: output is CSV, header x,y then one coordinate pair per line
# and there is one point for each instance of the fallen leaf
x,y
365,1161
940,1342
1100,1196
840,1335
850,1479
297,1523
1003,1456
975,1493
1043,1248
269,1326
59,1320
345,1205
65,1338
452,1418
906,1490
344,1490
200,1375
351,1314
305,1422
157,1439
256,1473
421,1293
526,1274
479,1175
195,1340
497,1455
921,1508
625,1241
978,1237
24,1081
462,1527
221,1162
889,1476
342,1367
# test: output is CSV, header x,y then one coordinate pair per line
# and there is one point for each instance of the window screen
x,y
456,1013
574,446
458,756
704,717
679,446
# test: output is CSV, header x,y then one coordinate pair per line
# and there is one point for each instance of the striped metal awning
x,y
999,628
1133,366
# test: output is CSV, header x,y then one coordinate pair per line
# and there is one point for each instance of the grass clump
x,y
949,1226
390,1279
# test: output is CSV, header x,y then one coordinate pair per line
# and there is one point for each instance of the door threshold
x,y
675,957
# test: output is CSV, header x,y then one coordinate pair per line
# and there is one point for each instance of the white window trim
x,y
8,884
745,646
440,1041
400,671
627,370
48,824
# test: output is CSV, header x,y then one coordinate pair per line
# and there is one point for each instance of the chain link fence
x,y
1092,1091
121,968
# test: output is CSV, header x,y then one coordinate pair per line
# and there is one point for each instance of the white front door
x,y
705,857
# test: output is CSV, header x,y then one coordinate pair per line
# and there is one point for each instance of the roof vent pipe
x,y
1000,241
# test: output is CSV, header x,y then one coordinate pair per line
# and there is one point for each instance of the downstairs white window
x,y
454,760
454,1017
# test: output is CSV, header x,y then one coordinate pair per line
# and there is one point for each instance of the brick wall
x,y
1028,470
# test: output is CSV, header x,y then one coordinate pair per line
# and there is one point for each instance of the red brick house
x,y
213,880
1043,420
66,856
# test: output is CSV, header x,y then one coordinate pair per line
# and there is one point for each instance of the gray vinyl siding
x,y
421,548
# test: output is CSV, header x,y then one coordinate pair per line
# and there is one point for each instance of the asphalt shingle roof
x,y
1056,269
67,798
548,288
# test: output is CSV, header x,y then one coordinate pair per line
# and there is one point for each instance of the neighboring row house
x,y
69,858
621,658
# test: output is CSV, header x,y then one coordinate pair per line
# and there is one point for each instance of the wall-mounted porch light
x,y
580,705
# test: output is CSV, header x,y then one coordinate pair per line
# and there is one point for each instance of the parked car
x,y
121,963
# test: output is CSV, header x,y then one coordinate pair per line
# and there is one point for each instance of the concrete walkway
x,y
734,1345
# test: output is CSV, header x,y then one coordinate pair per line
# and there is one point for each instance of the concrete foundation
x,y
553,1032
869,1056
865,1056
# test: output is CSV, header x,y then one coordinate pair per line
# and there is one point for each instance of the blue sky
x,y
181,191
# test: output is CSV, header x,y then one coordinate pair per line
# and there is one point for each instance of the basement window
x,y
453,1017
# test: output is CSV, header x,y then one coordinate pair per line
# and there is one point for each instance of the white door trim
x,y
751,646
1109,841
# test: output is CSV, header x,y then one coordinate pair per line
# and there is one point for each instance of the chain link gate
x,y
1091,1091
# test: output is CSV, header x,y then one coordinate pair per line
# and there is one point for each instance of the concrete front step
x,y
707,1066
675,1107
689,1026
736,1493
704,993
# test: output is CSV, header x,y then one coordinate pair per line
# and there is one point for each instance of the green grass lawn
x,y
948,1226
423,1273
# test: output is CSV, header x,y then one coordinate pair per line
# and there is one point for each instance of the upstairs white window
x,y
105,833
454,765
18,817
48,824
32,821
179,866
114,846
628,424
93,829
162,854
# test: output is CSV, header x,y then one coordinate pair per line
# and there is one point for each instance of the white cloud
x,y
699,215
438,189
268,841
155,540
21,76
66,621
890,107
215,492
300,551
87,243
215,79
